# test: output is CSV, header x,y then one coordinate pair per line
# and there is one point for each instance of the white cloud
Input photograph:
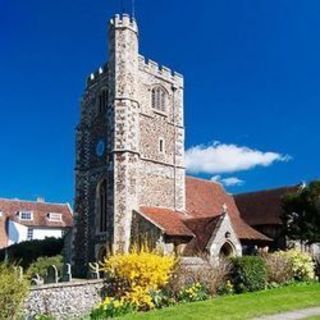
x,y
226,158
228,182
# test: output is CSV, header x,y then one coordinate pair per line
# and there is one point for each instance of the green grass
x,y
244,306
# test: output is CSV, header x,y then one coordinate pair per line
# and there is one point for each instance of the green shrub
x,y
12,292
42,264
249,273
26,252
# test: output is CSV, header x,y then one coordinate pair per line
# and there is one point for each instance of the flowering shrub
x,y
134,275
193,293
111,308
303,267
140,297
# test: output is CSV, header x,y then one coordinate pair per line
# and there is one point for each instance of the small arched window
x,y
159,97
103,100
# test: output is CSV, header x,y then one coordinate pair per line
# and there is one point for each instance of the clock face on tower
x,y
100,148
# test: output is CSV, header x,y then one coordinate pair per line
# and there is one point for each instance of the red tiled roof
x,y
262,207
205,200
171,222
203,228
40,210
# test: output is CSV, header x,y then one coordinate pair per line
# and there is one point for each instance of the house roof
x,y
262,207
40,210
204,203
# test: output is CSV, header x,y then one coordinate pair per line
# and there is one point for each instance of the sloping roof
x,y
203,228
262,207
171,222
205,200
40,210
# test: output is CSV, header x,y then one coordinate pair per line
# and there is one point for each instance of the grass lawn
x,y
244,306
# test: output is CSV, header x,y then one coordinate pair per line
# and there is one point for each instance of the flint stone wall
x,y
69,300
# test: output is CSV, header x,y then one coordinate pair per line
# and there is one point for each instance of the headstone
x,y
94,270
67,273
52,275
37,280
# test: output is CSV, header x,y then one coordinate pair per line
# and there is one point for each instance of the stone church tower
x,y
129,146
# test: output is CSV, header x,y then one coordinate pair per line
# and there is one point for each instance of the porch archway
x,y
226,251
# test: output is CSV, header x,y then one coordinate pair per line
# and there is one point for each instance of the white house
x,y
28,220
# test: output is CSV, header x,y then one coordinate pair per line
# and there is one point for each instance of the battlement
x,y
154,68
124,21
97,75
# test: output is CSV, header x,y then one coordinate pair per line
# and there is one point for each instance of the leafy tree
x,y
301,214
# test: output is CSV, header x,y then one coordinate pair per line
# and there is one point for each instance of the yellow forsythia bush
x,y
135,275
303,267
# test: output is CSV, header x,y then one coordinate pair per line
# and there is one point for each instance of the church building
x,y
131,182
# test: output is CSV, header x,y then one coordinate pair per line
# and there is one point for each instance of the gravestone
x,y
52,275
67,272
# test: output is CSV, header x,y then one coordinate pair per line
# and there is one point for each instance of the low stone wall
x,y
66,300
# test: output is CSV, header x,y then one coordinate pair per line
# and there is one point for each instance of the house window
x,y
158,97
26,215
103,100
30,234
55,217
161,146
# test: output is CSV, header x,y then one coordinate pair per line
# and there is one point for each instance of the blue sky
x,y
252,73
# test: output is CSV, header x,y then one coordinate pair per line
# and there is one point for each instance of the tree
x,y
301,214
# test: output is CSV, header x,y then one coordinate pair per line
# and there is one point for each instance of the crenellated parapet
x,y
124,21
158,70
96,76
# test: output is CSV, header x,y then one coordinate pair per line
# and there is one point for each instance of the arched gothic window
x,y
102,206
159,97
103,100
